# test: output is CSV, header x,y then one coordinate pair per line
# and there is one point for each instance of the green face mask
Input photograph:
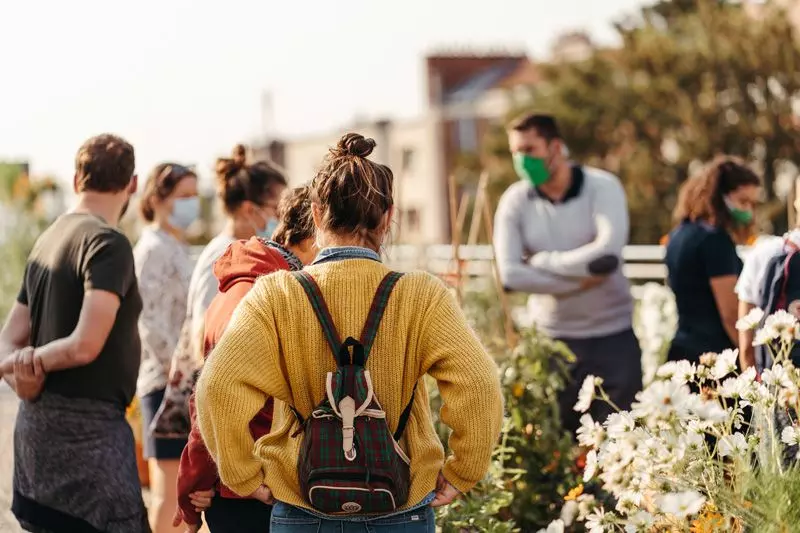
x,y
532,169
740,216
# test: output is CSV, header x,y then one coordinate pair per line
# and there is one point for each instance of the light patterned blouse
x,y
163,268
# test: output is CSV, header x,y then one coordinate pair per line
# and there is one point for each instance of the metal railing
x,y
642,262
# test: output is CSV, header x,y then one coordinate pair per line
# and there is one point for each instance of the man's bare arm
x,y
85,343
14,336
16,331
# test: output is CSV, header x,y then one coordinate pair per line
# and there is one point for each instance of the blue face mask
x,y
266,233
184,212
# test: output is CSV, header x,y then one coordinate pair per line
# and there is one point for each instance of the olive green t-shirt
x,y
79,252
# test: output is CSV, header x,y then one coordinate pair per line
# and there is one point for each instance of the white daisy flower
x,y
707,410
619,424
681,504
751,320
569,512
586,395
660,400
679,371
784,323
777,376
725,364
591,466
790,436
590,434
731,388
641,521
765,336
595,521
733,445
628,502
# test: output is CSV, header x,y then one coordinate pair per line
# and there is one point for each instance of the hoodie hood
x,y
246,261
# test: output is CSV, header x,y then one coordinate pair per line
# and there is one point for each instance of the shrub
x,y
18,232
534,466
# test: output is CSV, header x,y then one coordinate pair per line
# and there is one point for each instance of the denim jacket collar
x,y
340,253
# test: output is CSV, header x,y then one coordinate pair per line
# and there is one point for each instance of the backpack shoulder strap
x,y
376,311
401,424
320,309
374,317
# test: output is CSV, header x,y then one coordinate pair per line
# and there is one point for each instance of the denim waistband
x,y
340,253
366,518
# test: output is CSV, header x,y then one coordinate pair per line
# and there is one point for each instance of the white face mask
x,y
184,212
269,229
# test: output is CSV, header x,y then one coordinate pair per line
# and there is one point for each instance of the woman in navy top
x,y
715,214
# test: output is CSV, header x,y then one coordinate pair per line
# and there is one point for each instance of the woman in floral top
x,y
163,267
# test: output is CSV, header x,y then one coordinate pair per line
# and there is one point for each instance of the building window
x,y
412,221
407,159
467,135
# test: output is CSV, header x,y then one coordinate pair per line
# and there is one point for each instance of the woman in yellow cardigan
x,y
275,346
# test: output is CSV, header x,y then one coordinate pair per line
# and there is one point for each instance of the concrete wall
x,y
409,148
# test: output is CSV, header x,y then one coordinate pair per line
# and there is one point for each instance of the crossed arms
x,y
566,272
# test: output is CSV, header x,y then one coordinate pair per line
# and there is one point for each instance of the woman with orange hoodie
x,y
244,261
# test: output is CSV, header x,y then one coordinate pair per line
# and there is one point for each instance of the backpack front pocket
x,y
344,491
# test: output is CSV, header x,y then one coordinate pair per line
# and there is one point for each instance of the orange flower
x,y
574,493
710,521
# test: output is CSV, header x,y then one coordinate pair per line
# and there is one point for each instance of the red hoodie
x,y
236,270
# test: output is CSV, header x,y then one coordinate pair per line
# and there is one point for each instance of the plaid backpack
x,y
350,462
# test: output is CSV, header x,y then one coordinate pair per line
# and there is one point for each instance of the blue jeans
x,y
289,519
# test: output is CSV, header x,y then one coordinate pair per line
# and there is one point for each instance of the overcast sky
x,y
183,79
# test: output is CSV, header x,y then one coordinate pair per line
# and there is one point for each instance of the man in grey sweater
x,y
559,235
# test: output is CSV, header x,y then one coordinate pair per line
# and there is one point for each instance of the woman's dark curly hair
x,y
295,223
702,197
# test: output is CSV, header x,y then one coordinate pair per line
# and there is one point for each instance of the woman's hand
x,y
201,499
28,374
264,495
445,493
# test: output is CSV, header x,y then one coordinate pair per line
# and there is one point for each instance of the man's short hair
x,y
104,163
544,125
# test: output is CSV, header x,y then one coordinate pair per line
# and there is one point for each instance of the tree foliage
x,y
692,79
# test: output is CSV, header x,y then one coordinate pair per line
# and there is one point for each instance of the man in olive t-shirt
x,y
80,252
70,350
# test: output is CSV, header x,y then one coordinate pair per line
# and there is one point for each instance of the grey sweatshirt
x,y
544,248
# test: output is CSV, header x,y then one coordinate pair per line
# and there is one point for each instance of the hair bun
x,y
354,144
239,154
227,168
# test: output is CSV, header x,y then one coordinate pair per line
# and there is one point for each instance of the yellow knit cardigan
x,y
274,346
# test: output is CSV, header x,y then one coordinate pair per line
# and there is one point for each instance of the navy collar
x,y
574,190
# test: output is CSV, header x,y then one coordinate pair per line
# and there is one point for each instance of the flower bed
x,y
703,448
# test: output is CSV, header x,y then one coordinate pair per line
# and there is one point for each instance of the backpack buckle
x,y
347,408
